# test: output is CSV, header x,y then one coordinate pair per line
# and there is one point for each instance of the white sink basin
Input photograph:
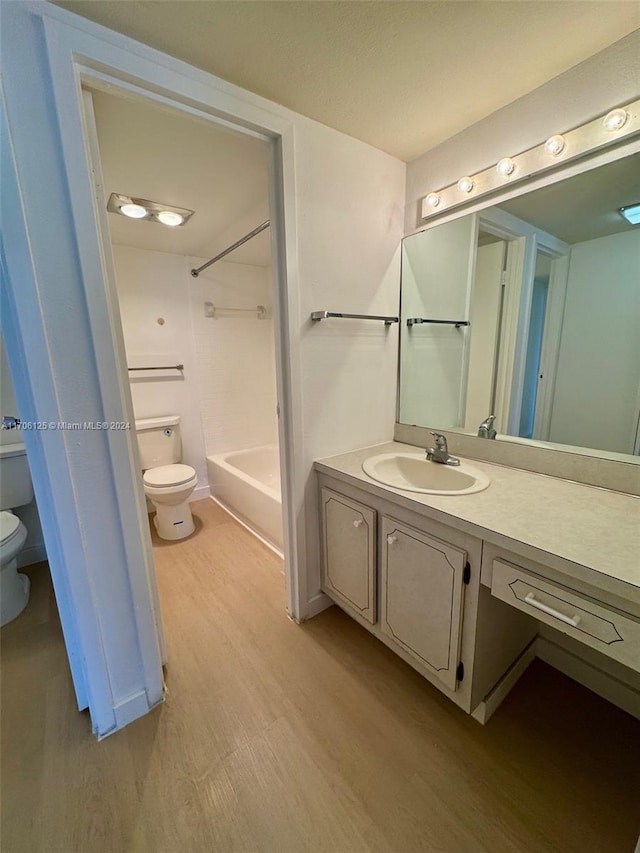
x,y
413,473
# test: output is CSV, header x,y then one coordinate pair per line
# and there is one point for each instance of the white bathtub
x,y
247,482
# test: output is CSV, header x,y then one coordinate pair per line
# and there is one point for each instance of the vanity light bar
x,y
618,123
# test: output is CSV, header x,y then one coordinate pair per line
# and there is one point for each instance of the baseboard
x,y
493,700
317,603
591,676
31,555
200,493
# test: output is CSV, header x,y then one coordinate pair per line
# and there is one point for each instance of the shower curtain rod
x,y
196,272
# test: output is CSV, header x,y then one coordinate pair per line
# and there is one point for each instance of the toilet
x,y
167,483
15,490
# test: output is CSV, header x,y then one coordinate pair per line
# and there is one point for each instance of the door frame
x,y
73,49
551,339
91,237
524,241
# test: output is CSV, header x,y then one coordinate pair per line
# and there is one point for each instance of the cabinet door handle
x,y
539,605
391,539
358,522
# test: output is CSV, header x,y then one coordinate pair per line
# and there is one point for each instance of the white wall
x,y
579,95
34,550
597,388
350,202
9,407
235,356
153,286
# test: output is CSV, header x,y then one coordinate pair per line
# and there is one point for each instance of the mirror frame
x,y
623,148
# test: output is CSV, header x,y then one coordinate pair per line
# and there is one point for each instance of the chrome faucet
x,y
486,430
440,453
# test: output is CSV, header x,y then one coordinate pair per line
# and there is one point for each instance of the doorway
x,y
199,335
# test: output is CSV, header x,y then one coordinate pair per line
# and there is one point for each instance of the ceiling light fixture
x,y
170,217
555,145
152,211
506,167
134,211
631,213
615,120
620,123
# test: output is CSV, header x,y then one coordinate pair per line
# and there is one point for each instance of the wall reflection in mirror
x,y
549,284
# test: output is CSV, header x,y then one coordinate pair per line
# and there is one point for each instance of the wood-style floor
x,y
285,739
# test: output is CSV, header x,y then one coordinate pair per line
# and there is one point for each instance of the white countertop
x,y
595,529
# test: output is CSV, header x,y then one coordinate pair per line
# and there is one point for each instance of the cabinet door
x,y
348,571
421,597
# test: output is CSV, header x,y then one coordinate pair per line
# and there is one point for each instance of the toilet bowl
x,y
14,586
169,488
15,491
168,484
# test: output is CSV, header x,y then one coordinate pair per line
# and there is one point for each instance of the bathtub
x,y
247,483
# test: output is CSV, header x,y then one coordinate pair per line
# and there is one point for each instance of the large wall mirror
x,y
530,310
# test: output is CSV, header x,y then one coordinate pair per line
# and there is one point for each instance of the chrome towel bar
x,y
415,321
324,315
166,367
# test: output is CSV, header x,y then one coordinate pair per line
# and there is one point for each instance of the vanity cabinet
x,y
468,591
349,564
421,596
414,583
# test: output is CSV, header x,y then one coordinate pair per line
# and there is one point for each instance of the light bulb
x,y
555,145
465,185
170,217
134,211
506,167
433,200
615,120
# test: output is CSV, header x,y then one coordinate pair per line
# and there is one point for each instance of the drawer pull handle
x,y
391,539
568,620
357,522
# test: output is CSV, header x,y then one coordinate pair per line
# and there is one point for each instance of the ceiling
x,y
159,154
402,76
585,206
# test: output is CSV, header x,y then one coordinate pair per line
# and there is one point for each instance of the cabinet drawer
x,y
610,632
349,558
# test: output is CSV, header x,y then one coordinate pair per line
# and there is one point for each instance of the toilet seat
x,y
9,527
168,476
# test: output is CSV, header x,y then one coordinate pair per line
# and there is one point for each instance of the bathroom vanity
x,y
469,588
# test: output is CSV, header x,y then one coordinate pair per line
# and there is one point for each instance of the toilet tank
x,y
159,441
15,477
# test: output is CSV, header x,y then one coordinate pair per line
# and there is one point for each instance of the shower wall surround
x,y
153,287
236,356
226,395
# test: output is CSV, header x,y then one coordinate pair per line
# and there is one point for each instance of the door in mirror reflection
x,y
533,377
